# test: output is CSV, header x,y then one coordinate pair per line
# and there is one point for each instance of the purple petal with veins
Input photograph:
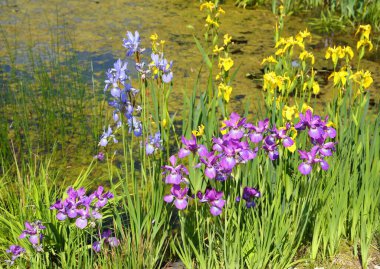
x,y
287,142
81,222
180,203
215,211
304,168
169,198
324,165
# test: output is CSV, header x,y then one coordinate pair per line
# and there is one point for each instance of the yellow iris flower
x,y
364,79
365,30
302,35
220,11
305,54
289,43
269,59
224,90
217,50
272,81
314,86
226,39
335,53
226,63
364,43
339,77
224,131
293,147
210,22
348,51
200,131
208,5
289,112
306,107
154,37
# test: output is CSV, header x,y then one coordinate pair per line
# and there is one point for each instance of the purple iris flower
x,y
116,118
210,160
249,194
190,145
81,222
235,125
326,149
144,72
97,246
246,153
270,146
222,175
258,131
175,173
34,234
330,131
16,252
102,197
162,66
214,198
105,238
229,149
131,43
218,143
116,77
123,95
311,158
135,125
313,122
100,156
179,196
281,134
153,144
167,74
105,136
227,160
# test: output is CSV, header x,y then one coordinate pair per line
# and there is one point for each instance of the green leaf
x,y
204,54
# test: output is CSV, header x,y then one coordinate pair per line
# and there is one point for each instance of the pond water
x,y
95,29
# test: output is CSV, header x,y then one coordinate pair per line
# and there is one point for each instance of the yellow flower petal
x,y
306,107
292,148
200,131
226,39
316,88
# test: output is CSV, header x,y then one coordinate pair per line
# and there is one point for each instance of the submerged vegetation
x,y
346,11
291,185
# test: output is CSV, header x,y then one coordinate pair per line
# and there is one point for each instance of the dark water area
x,y
92,31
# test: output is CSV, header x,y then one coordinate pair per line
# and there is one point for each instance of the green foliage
x,y
318,212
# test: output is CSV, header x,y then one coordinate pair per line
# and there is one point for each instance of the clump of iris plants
x,y
240,143
124,98
84,209
33,232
